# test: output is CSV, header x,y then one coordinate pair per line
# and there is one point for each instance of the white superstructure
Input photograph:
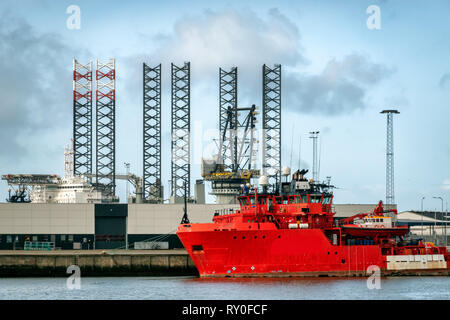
x,y
67,190
54,189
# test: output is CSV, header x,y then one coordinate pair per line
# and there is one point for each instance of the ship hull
x,y
284,253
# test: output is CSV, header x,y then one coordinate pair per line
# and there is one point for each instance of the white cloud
x,y
242,38
35,87
232,38
446,184
340,88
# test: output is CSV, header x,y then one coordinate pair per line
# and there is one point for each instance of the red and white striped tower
x,y
82,118
106,129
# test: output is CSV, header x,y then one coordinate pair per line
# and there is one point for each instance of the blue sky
x,y
337,76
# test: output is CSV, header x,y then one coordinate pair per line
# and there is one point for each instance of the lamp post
x,y
442,210
422,216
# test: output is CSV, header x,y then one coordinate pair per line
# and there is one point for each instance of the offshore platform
x,y
90,159
232,169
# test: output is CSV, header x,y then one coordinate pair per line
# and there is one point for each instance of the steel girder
x,y
82,118
152,133
181,116
106,129
227,99
272,122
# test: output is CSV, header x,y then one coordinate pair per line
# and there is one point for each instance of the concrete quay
x,y
96,263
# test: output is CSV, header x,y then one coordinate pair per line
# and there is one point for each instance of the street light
x,y
442,203
422,216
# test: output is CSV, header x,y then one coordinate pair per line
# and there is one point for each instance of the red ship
x,y
293,232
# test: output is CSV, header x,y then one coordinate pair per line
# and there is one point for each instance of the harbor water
x,y
193,288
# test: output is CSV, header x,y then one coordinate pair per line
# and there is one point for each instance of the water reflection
x,y
226,288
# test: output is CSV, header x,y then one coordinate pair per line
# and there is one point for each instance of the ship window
x,y
278,200
291,200
298,199
245,201
262,200
305,198
197,248
252,200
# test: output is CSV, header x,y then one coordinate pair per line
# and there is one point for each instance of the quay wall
x,y
97,263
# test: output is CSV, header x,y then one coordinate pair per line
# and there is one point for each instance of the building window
x,y
63,237
35,238
8,239
70,237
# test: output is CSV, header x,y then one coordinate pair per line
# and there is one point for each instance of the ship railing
x,y
39,245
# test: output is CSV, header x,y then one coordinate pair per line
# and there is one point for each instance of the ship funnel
x,y
286,171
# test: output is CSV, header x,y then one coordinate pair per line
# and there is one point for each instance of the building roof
x,y
425,215
416,216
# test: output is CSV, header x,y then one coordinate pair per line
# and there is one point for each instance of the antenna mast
x,y
390,155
